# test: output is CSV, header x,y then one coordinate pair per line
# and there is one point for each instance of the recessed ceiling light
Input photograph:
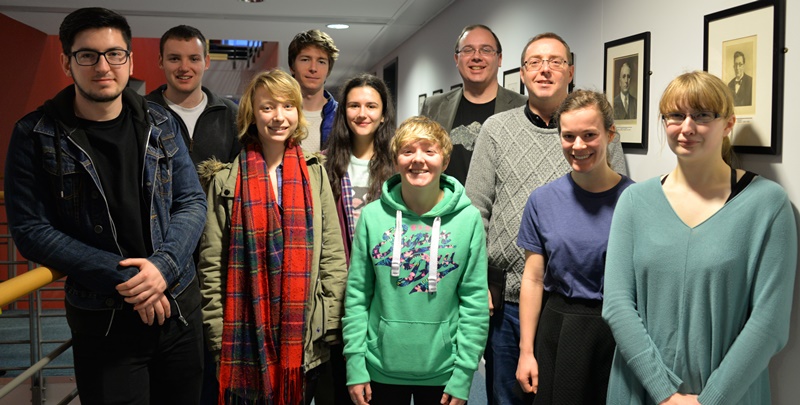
x,y
338,26
252,1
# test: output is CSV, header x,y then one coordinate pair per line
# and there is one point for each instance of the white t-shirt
x,y
189,115
312,143
358,170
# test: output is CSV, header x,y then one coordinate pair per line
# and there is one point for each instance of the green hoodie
x,y
396,331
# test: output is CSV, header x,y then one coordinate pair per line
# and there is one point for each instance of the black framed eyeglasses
x,y
115,57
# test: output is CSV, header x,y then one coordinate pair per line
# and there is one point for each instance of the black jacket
x,y
215,132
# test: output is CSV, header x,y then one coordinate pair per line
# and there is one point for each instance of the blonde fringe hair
x,y
283,88
420,128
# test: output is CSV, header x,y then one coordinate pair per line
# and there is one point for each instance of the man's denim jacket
x,y
58,214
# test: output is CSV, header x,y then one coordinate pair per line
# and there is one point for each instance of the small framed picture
x,y
455,86
439,91
511,81
744,46
421,102
626,83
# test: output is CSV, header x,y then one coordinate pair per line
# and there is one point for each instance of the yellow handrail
x,y
26,283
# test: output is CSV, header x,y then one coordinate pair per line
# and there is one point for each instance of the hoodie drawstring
x,y
433,263
398,242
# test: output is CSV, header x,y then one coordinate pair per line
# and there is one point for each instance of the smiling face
x,y
101,83
364,111
584,139
420,164
183,63
311,68
547,84
275,120
477,68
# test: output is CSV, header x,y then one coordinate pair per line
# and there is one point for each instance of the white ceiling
x,y
376,26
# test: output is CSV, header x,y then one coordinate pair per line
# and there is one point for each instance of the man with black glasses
x,y
100,187
516,152
462,111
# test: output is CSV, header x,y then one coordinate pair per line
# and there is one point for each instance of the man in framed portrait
x,y
625,102
742,84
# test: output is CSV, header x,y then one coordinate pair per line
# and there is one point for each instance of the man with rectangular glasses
x,y
100,187
516,152
462,111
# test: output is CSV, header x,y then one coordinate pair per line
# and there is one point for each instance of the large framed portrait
x,y
511,81
626,84
744,46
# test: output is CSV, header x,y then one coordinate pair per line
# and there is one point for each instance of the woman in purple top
x,y
566,353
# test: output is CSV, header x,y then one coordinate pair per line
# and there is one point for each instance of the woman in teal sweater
x,y
412,325
700,266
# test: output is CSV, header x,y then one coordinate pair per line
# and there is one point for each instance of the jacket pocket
x,y
415,348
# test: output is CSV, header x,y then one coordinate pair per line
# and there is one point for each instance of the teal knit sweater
x,y
699,310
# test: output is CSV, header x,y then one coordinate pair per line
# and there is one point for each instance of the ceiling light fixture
x,y
338,26
252,1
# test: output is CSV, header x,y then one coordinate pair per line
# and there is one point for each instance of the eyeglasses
x,y
90,58
484,51
700,117
534,64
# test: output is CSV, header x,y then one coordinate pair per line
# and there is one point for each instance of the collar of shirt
x,y
535,119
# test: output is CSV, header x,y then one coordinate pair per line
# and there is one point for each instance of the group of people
x,y
294,247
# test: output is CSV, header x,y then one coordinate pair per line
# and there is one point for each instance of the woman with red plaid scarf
x,y
272,265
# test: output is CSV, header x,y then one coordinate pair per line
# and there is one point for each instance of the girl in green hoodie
x,y
413,326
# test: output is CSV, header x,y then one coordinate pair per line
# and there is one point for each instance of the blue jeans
x,y
502,355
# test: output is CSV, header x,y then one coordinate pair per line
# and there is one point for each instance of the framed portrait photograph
x,y
421,102
744,46
626,84
511,81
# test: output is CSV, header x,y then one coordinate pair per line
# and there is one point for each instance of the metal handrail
x,y
26,283
34,369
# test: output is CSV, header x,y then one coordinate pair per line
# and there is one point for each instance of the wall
x,y
426,63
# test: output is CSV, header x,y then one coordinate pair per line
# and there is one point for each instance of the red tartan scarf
x,y
267,283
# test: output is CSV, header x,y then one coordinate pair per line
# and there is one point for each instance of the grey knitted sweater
x,y
512,158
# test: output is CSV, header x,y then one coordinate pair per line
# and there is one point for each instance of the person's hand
x,y
491,306
160,311
528,373
681,399
145,288
360,394
448,399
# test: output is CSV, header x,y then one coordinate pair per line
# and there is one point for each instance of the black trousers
x,y
391,394
135,363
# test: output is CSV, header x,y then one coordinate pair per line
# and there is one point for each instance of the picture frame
x,y
511,81
437,91
421,102
744,46
626,84
455,86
